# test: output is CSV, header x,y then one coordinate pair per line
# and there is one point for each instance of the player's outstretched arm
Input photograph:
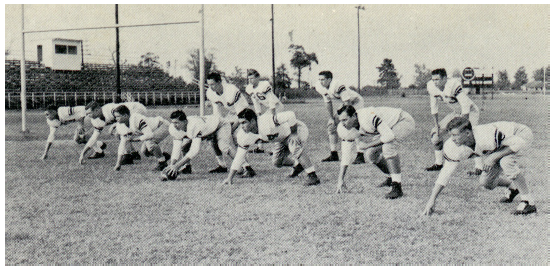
x,y
124,139
341,186
442,180
88,146
240,158
49,140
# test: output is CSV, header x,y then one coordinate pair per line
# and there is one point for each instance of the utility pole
x,y
358,30
118,71
201,62
273,55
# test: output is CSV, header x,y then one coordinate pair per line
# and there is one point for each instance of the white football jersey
x,y
454,95
263,95
370,118
488,138
339,91
108,118
197,126
138,123
67,114
231,99
267,130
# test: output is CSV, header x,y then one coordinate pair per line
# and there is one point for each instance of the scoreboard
x,y
471,80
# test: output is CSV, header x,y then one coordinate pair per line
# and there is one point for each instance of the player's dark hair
x,y
122,110
459,123
347,108
92,105
247,114
214,76
178,114
253,72
51,108
326,74
440,71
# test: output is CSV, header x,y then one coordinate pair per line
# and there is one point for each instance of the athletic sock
x,y
396,178
221,160
310,170
439,156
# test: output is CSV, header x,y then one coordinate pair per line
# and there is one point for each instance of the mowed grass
x,y
62,213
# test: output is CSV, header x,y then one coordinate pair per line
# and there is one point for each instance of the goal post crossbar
x,y
108,27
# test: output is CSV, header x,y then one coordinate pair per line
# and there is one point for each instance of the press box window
x,y
64,49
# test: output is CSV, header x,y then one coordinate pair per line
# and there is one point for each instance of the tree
x,y
423,75
237,78
149,60
388,75
301,59
538,74
193,64
503,82
283,81
520,78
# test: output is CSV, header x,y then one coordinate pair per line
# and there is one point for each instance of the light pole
x,y
358,30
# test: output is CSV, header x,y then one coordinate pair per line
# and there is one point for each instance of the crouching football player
x,y
188,133
134,127
102,116
380,130
498,144
58,116
288,136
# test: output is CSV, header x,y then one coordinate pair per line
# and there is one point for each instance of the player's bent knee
x,y
278,162
487,183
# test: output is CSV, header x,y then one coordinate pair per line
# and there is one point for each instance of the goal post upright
x,y
201,62
22,72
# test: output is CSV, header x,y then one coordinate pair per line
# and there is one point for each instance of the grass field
x,y
60,213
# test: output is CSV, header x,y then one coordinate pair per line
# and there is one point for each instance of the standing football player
x,y
499,145
102,116
58,116
261,94
289,136
380,130
332,89
227,101
188,133
135,127
450,92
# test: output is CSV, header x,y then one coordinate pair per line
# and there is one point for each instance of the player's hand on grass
x,y
82,158
44,156
489,162
341,187
227,181
117,167
429,209
171,170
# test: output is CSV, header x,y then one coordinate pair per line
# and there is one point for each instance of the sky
x,y
489,37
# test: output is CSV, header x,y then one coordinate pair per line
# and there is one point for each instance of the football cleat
x,y
148,153
249,172
395,192
297,170
188,169
385,183
359,159
312,180
332,158
102,145
257,150
97,155
510,196
476,172
167,155
524,208
435,167
135,155
219,169
126,159
160,166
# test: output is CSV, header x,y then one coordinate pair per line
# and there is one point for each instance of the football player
x,y
227,101
134,127
261,94
450,92
380,130
332,89
499,145
58,116
188,133
289,136
102,116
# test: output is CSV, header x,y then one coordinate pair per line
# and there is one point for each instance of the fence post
x,y
103,97
9,101
94,96
153,98
33,98
65,99
85,97
113,97
161,100
44,99
54,98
